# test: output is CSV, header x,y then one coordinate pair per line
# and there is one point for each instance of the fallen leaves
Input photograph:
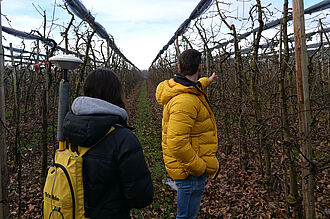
x,y
234,194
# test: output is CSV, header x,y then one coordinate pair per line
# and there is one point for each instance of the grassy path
x,y
163,205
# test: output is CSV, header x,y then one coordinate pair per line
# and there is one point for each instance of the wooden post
x,y
304,107
17,145
4,208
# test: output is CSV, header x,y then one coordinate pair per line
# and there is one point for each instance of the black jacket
x,y
115,175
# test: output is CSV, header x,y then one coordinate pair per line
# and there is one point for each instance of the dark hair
x,y
189,61
104,84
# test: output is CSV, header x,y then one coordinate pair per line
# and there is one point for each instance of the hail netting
x,y
83,13
291,39
23,35
30,36
203,6
78,8
315,8
200,9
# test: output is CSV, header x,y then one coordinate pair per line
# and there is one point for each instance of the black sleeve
x,y
133,172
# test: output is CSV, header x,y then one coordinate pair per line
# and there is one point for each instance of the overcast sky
x,y
140,27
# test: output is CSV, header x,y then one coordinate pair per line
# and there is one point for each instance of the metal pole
x,y
4,208
63,108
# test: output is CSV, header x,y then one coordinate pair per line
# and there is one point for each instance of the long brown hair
x,y
104,84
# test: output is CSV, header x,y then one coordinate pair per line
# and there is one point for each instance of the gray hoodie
x,y
88,106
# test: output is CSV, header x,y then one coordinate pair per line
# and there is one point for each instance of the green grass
x,y
163,204
10,113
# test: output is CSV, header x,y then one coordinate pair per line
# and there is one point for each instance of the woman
x,y
115,175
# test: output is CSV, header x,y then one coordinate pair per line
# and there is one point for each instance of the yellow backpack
x,y
63,194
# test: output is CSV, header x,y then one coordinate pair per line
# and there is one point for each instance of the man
x,y
189,135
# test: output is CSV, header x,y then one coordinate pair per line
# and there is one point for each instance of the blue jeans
x,y
189,196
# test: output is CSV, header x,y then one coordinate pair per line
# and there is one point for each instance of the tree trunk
x,y
83,68
293,199
243,152
177,50
327,72
256,104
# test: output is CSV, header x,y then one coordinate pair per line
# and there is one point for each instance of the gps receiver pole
x,y
65,62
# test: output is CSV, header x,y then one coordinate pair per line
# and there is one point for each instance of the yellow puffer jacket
x,y
189,135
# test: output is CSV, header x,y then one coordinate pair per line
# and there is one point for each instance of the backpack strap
x,y
83,150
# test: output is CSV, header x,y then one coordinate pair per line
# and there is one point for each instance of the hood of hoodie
x,y
167,89
90,119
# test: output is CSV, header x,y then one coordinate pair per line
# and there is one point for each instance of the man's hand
x,y
213,78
